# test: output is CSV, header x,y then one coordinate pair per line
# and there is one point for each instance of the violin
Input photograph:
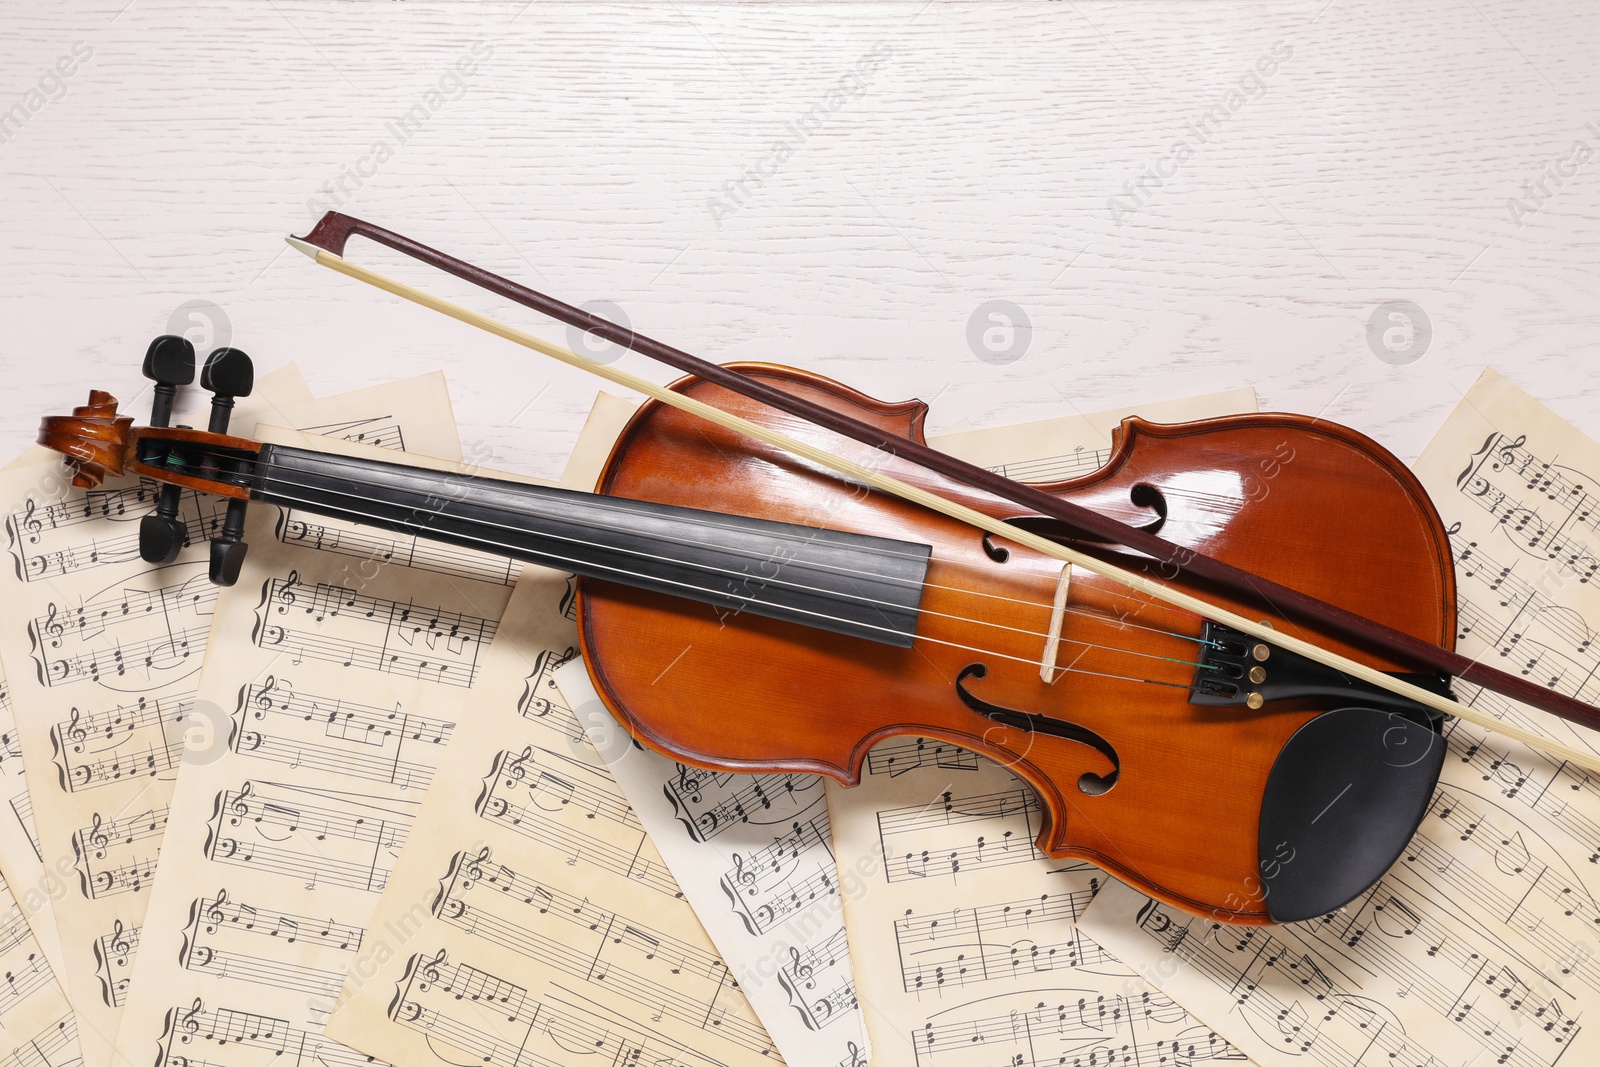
x,y
742,607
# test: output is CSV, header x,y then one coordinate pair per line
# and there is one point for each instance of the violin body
x,y
1307,503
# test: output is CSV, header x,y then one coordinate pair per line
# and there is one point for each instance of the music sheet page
x,y
296,795
1481,945
965,938
21,862
531,921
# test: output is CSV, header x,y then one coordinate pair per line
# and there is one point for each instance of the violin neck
x,y
852,584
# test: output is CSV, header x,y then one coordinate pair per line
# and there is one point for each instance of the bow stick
x,y
325,246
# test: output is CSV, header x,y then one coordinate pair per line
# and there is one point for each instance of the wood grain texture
x,y
975,160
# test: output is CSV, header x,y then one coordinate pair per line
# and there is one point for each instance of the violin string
x,y
820,615
823,616
709,521
1123,622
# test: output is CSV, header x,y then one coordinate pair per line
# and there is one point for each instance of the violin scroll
x,y
94,438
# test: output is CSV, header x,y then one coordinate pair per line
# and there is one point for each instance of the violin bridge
x,y
1048,671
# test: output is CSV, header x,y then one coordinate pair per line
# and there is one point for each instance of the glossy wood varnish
x,y
1310,504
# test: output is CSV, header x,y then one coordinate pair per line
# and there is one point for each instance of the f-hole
x,y
1143,495
1088,783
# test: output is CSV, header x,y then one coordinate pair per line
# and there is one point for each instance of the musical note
x,y
118,855
533,805
333,624
276,723
315,835
323,534
124,742
228,938
380,431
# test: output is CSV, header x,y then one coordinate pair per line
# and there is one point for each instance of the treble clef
x,y
53,629
429,969
76,731
741,875
803,972
98,836
517,769
473,868
240,805
285,594
30,521
264,701
121,943
189,1023
214,914
689,780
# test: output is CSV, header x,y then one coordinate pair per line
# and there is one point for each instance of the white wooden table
x,y
836,186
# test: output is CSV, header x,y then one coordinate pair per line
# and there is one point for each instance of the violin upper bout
x,y
904,417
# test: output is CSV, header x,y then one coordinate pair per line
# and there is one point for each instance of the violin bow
x,y
325,245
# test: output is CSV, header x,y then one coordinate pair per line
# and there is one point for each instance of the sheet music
x,y
1480,944
781,932
21,862
337,682
530,920
965,938
104,656
753,854
36,555
36,1021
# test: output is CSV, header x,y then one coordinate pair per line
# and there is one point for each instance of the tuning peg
x,y
227,547
228,373
161,537
169,362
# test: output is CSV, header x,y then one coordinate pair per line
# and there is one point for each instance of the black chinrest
x,y
1342,800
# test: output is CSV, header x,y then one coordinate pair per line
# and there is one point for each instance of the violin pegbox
x,y
99,443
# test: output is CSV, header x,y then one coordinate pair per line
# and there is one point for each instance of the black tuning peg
x,y
228,373
227,547
169,362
